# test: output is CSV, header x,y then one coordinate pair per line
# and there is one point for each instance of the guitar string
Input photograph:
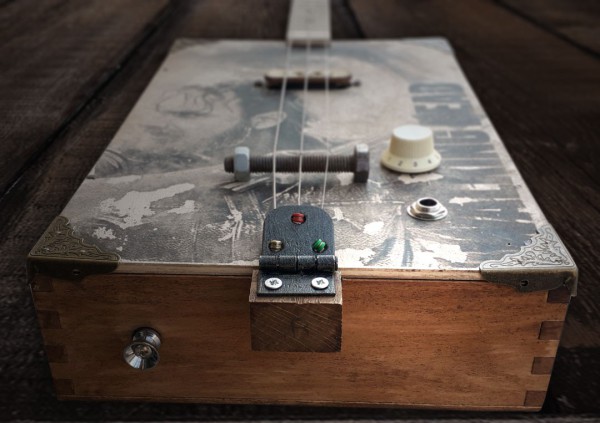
x,y
288,53
327,60
304,101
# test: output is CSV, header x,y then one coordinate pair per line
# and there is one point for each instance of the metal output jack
x,y
427,209
142,352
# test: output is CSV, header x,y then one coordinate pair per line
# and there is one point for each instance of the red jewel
x,y
298,218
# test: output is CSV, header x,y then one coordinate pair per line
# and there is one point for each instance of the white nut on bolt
x,y
241,164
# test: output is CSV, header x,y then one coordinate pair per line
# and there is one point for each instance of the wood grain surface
x,y
427,344
540,90
70,68
296,323
576,22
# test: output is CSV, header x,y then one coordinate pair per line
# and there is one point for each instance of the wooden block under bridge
x,y
296,323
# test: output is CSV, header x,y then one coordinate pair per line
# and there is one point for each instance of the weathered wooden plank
x,y
414,343
575,21
55,55
296,324
543,95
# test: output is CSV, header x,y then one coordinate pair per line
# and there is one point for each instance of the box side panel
x,y
469,345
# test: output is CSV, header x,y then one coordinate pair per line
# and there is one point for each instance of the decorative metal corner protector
x,y
60,253
542,264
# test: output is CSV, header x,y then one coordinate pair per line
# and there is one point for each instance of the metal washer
x,y
427,208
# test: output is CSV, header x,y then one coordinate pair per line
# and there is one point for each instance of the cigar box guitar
x,y
273,224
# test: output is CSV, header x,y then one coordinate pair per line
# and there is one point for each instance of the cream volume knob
x,y
411,150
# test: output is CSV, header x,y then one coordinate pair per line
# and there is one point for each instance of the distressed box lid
x,y
159,201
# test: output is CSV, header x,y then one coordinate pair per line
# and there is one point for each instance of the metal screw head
x,y
273,283
319,283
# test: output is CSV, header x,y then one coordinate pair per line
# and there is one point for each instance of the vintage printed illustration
x,y
159,193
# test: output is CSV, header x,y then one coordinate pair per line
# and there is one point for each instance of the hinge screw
x,y
319,283
273,283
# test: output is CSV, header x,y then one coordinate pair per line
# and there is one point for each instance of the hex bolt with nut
x,y
242,164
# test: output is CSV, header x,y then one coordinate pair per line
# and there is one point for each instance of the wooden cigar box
x,y
148,285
